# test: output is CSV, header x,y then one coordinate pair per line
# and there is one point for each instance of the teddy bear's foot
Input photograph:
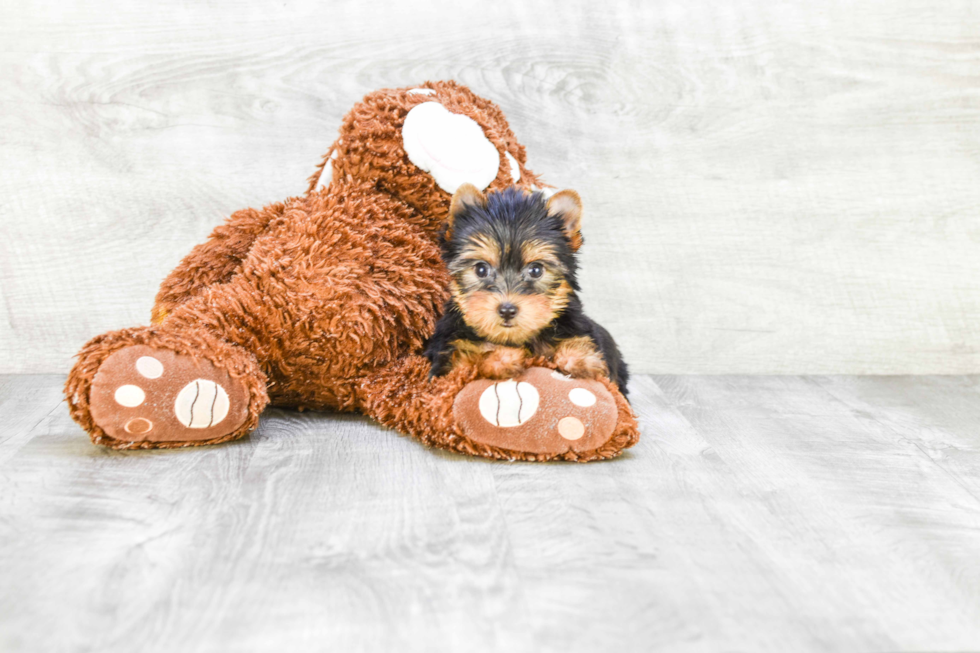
x,y
541,412
143,394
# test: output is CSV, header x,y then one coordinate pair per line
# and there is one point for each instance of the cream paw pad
x,y
141,394
541,411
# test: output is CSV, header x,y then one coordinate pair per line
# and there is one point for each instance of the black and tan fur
x,y
512,259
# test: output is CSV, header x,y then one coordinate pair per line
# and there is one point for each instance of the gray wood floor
x,y
757,513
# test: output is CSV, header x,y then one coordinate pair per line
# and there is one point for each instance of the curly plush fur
x,y
322,301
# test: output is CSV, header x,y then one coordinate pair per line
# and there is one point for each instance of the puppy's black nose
x,y
507,311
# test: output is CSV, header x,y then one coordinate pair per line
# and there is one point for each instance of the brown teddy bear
x,y
324,301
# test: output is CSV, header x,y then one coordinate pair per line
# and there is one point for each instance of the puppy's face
x,y
512,260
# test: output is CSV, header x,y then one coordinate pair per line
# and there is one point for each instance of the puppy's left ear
x,y
567,205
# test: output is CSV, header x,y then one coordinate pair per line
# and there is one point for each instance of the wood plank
x,y
939,415
769,187
317,529
756,513
868,542
27,404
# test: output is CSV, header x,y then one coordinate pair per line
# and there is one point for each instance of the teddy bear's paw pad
x,y
145,394
539,412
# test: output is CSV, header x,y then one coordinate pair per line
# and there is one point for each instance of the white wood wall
x,y
787,187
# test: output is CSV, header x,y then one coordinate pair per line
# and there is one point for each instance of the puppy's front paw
x,y
579,358
503,363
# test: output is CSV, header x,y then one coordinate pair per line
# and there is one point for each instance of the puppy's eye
x,y
481,269
535,270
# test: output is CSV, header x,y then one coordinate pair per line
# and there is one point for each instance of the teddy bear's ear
x,y
466,195
567,205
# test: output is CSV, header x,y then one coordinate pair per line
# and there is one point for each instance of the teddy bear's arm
x,y
214,261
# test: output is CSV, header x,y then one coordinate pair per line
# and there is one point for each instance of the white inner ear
x,y
449,146
515,167
327,174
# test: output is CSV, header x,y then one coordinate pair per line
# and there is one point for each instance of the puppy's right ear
x,y
465,196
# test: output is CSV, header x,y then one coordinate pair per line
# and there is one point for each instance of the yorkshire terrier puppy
x,y
512,257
